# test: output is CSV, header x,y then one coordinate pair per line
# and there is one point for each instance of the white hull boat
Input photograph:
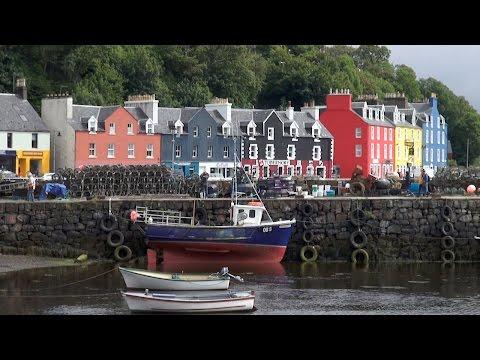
x,y
143,279
193,302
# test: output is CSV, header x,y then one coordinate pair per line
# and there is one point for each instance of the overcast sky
x,y
457,66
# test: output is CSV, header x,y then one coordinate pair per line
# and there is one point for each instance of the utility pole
x,y
468,143
173,147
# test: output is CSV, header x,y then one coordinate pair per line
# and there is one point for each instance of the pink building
x,y
103,135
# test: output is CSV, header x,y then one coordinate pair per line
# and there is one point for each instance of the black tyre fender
x,y
448,242
108,223
448,256
307,223
307,236
201,215
122,253
356,236
306,250
447,213
357,217
447,228
357,188
115,238
307,209
360,256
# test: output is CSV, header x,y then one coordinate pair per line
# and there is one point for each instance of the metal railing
x,y
164,217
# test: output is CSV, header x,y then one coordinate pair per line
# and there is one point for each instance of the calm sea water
x,y
292,288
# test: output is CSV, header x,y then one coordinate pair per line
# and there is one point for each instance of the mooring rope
x,y
65,285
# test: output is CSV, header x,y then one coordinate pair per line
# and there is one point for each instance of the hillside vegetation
x,y
249,75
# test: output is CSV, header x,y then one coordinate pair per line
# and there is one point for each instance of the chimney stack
x,y
21,88
313,110
290,111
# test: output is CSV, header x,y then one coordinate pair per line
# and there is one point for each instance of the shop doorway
x,y
36,166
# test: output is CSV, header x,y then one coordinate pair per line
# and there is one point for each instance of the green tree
x,y
406,82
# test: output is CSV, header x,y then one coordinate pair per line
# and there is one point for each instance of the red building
x,y
118,136
363,136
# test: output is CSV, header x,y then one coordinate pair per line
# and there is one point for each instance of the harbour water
x,y
290,288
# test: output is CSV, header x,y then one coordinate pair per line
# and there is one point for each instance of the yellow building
x,y
37,162
408,140
24,138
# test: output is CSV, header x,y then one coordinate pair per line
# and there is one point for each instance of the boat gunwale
x,y
270,223
185,300
153,277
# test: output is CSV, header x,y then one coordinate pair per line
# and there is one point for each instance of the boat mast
x,y
234,184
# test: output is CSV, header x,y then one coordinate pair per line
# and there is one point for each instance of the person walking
x,y
423,187
30,187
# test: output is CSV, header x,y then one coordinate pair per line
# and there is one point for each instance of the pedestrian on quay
x,y
423,187
407,179
30,187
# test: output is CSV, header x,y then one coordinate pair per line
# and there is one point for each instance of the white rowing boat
x,y
190,302
144,279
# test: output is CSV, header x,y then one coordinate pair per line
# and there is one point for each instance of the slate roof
x,y
305,122
386,123
358,104
422,107
408,118
167,116
82,113
17,114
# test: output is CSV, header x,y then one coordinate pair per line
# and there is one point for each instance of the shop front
x,y
8,160
36,162
217,170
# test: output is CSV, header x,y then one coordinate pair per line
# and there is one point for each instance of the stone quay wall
x,y
397,228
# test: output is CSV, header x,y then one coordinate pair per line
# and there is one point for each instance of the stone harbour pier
x,y
357,229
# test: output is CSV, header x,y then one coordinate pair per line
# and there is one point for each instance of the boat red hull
x,y
187,251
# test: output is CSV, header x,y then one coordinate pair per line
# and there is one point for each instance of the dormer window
x,y
403,117
316,133
377,115
364,112
92,125
179,128
149,127
293,131
382,115
370,114
251,130
226,130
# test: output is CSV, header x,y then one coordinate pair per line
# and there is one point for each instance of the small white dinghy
x,y
190,302
144,279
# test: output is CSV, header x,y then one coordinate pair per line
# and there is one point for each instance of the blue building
x,y
435,133
199,139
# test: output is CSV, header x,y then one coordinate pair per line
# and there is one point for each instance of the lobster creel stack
x,y
117,180
454,180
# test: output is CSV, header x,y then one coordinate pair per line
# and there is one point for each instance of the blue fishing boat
x,y
251,236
